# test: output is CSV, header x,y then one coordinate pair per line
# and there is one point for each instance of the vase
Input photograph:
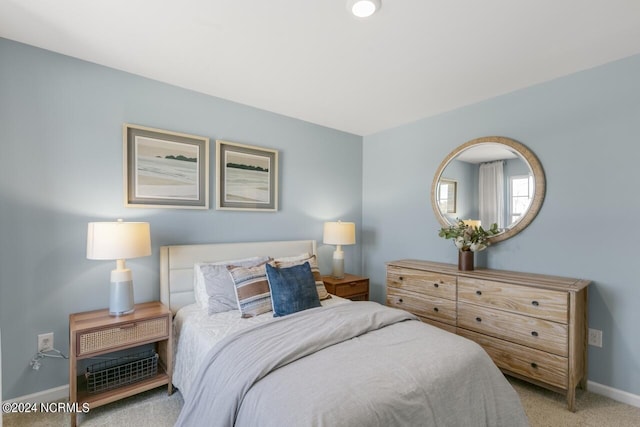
x,y
465,260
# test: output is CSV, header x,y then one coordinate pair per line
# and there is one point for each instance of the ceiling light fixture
x,y
363,8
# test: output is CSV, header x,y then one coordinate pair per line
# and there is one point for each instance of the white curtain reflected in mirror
x,y
491,194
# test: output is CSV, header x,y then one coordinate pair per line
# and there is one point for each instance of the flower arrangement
x,y
467,237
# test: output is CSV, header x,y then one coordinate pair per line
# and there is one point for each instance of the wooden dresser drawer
x,y
424,282
538,365
122,335
440,309
537,333
541,303
347,290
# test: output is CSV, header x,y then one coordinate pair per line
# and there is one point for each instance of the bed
x,y
339,363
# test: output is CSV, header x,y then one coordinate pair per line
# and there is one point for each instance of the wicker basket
x,y
122,371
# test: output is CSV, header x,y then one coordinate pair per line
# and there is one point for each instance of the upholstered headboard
x,y
176,263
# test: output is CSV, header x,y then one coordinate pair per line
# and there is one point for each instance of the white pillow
x,y
213,286
295,258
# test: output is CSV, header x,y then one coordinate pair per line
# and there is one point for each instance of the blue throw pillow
x,y
293,289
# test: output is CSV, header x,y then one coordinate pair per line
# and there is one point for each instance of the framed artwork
x,y
164,169
247,177
447,195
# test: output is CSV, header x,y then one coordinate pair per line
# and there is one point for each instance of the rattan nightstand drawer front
x,y
121,335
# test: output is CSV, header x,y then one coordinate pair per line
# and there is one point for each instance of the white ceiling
x,y
311,60
486,152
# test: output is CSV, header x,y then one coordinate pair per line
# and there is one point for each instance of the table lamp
x,y
119,241
339,233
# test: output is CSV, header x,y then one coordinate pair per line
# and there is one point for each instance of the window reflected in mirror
x,y
521,191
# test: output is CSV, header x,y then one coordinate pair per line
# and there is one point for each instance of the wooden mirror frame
x,y
526,154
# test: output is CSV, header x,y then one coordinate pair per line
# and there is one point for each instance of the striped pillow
x,y
252,289
313,263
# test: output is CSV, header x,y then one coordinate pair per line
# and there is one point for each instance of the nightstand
x,y
353,287
96,333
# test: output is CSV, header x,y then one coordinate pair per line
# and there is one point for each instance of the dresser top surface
x,y
526,279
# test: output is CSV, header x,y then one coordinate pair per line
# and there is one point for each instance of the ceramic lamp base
x,y
338,268
121,298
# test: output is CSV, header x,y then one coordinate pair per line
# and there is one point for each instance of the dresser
x,y
533,326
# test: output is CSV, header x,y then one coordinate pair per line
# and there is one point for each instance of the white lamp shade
x,y
472,222
339,233
118,240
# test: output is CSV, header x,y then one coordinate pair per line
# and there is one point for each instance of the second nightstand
x,y
353,287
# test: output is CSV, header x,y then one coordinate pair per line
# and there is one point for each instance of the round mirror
x,y
489,180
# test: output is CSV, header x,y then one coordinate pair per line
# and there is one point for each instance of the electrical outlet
x,y
595,337
45,342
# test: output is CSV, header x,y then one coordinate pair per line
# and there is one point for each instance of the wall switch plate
x,y
595,337
45,342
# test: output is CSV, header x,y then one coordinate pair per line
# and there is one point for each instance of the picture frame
x,y
164,169
247,177
448,196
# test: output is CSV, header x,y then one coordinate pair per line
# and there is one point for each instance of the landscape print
x,y
247,178
166,169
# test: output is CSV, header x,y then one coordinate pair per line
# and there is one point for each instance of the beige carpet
x,y
155,409
548,409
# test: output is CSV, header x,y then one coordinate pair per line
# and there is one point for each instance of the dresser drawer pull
x,y
435,285
534,333
435,309
478,293
534,365
478,319
535,303
401,278
400,300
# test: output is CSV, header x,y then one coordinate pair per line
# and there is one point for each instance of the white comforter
x,y
196,332
349,365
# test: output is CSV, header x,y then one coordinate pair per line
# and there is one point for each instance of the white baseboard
x,y
44,396
62,392
614,393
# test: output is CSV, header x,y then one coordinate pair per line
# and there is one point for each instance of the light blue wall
x,y
585,129
61,167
